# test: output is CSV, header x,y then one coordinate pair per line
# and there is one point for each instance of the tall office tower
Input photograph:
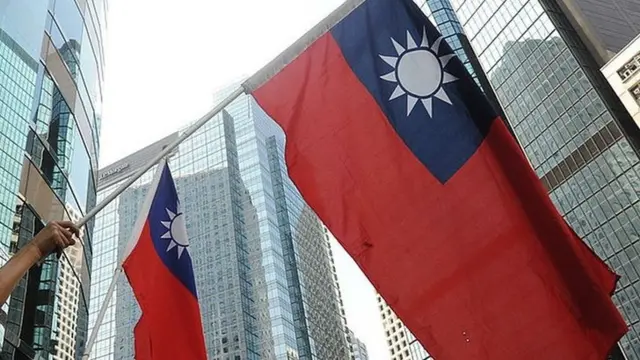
x,y
347,332
623,73
262,264
68,297
357,348
401,343
441,14
51,62
311,319
577,135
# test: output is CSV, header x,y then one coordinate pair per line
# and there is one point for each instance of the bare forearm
x,y
14,270
56,235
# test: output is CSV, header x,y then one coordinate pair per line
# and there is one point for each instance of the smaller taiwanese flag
x,y
397,150
159,269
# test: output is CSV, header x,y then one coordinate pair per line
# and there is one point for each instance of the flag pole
x,y
96,209
103,310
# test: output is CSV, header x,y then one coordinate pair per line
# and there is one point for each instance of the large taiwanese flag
x,y
394,146
158,266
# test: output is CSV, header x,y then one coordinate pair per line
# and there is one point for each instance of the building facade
x,y
442,15
577,135
401,343
262,264
357,348
328,237
623,73
299,243
68,297
51,71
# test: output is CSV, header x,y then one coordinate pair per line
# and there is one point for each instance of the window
x,y
629,68
635,92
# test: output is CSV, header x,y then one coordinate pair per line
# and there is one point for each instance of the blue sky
x,y
165,59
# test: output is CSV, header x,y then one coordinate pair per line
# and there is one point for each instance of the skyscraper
x,y
623,73
299,243
401,343
51,69
580,140
328,237
357,348
441,14
262,264
68,297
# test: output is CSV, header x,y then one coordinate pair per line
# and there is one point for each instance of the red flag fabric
x,y
142,338
159,269
391,142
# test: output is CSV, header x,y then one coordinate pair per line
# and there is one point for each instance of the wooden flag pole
x,y
96,209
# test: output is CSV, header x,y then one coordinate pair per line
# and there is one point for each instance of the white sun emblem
x,y
419,72
176,233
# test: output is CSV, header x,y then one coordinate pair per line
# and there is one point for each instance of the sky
x,y
164,61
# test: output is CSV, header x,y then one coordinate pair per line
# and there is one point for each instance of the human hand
x,y
56,235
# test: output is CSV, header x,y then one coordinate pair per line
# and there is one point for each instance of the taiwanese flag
x,y
158,266
394,146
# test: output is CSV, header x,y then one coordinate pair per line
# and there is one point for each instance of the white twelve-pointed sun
x,y
419,72
176,232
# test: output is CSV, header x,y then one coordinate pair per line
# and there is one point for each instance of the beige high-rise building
x,y
401,343
357,348
68,297
623,73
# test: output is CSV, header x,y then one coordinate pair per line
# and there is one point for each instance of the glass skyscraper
x,y
576,134
441,14
291,240
357,348
262,264
51,71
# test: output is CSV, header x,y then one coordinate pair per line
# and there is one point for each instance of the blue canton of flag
x,y
423,88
